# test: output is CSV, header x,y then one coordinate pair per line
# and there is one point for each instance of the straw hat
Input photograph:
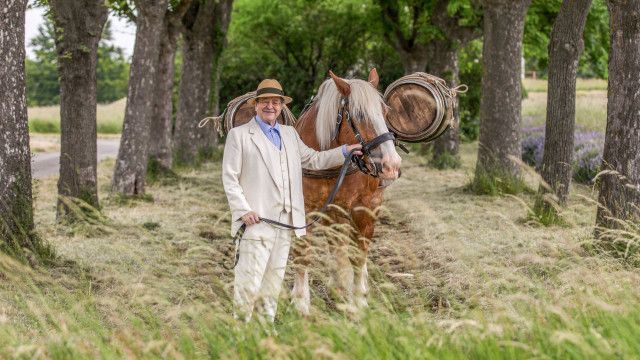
x,y
269,88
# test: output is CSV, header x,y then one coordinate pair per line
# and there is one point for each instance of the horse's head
x,y
351,111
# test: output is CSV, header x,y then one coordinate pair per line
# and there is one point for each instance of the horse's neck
x,y
306,127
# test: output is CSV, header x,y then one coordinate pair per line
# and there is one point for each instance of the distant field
x,y
591,104
591,109
540,85
46,119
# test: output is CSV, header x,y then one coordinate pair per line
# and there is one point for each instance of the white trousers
x,y
264,251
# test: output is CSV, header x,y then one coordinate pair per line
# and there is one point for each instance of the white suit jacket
x,y
249,178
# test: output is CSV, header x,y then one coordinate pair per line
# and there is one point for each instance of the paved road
x,y
48,164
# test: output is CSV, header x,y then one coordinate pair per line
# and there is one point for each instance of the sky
x,y
123,33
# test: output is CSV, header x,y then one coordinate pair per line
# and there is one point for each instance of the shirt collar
x,y
266,127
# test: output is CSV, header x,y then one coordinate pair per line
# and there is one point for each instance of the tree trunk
x,y
414,60
131,165
162,120
206,24
565,48
501,102
16,205
81,23
620,191
214,101
443,63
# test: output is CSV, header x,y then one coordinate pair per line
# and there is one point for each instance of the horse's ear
x,y
373,78
342,85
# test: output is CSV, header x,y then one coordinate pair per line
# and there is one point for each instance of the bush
x,y
496,182
44,126
587,155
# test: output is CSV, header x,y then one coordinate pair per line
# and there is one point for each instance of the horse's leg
x,y
364,225
300,294
345,271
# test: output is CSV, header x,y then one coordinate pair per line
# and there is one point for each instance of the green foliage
x,y
42,72
156,172
112,72
151,225
539,23
469,102
496,182
43,88
17,235
595,58
296,42
44,126
446,160
537,32
546,210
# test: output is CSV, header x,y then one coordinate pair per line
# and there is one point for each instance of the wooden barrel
x,y
239,112
421,107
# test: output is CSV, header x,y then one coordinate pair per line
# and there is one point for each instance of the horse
x,y
344,111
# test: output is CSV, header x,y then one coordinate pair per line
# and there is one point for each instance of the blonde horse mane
x,y
365,103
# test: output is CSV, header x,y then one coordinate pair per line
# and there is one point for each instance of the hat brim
x,y
286,99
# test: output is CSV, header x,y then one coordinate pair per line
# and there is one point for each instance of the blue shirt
x,y
273,134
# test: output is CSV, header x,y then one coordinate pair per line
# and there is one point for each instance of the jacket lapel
x,y
261,141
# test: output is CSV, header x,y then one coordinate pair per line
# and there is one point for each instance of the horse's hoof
x,y
301,305
361,302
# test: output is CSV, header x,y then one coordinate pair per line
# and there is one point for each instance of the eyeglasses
x,y
274,102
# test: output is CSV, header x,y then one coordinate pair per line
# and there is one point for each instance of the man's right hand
x,y
250,218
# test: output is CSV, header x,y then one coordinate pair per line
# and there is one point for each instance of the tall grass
x,y
452,276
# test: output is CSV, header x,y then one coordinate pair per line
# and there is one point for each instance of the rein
x,y
343,173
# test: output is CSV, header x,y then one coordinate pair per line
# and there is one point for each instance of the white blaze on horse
x,y
343,112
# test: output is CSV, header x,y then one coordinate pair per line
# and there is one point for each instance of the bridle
x,y
367,166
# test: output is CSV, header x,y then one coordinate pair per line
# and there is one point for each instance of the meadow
x,y
46,119
453,275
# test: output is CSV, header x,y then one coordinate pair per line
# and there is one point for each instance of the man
x,y
262,177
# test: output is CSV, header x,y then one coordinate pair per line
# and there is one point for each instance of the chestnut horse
x,y
323,126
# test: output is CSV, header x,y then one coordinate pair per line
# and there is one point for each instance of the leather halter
x,y
368,167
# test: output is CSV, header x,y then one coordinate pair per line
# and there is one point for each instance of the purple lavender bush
x,y
533,146
587,155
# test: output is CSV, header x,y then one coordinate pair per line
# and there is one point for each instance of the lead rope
x,y
216,121
343,172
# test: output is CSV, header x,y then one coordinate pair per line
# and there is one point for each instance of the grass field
x,y
46,119
591,103
453,276
540,85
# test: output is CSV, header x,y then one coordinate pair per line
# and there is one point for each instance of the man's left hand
x,y
354,146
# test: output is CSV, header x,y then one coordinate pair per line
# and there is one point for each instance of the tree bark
x,y
78,25
16,204
501,102
444,63
620,191
131,164
414,60
205,24
162,119
565,48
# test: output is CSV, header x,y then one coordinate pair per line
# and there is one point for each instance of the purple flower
x,y
587,156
